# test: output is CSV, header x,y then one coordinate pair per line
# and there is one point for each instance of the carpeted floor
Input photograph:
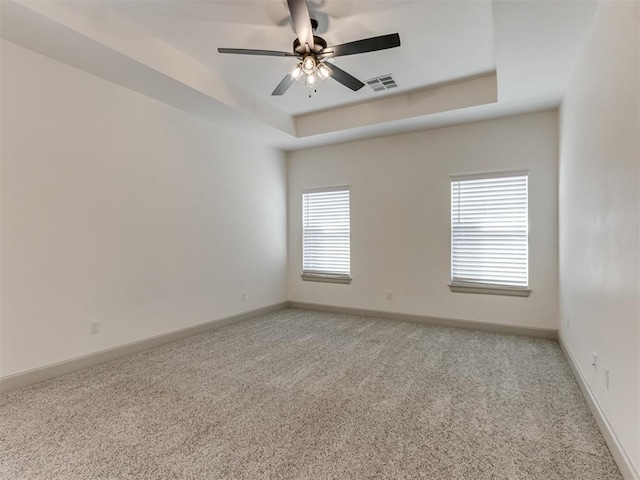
x,y
299,394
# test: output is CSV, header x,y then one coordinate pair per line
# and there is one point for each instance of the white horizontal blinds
x,y
489,230
326,232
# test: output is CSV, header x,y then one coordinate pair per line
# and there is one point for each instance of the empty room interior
x,y
315,239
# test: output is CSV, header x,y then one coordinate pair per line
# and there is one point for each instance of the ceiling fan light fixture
x,y
309,65
311,79
296,73
324,72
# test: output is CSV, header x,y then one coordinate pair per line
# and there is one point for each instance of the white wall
x,y
599,217
118,208
400,218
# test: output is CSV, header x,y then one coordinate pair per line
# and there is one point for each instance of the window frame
x,y
486,287
320,276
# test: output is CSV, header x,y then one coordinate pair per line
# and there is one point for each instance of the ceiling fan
x,y
313,52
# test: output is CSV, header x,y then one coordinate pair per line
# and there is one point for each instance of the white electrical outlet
x,y
606,378
94,327
595,361
389,296
243,296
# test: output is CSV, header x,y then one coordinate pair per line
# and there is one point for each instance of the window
x,y
326,235
489,234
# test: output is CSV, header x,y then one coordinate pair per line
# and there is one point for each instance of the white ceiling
x,y
167,49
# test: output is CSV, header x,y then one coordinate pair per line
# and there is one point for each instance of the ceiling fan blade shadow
x,y
301,21
372,44
345,78
246,51
284,85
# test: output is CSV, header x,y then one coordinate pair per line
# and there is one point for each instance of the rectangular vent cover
x,y
384,82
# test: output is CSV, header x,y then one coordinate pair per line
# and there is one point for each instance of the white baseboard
x,y
618,452
30,377
430,320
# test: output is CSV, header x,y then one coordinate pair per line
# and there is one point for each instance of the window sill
x,y
490,289
326,278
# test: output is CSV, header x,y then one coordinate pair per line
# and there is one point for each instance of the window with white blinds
x,y
326,232
489,230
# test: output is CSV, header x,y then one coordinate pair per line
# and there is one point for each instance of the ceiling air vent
x,y
384,82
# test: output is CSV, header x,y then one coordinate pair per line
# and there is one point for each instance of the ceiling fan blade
x,y
301,21
345,78
363,46
246,51
284,85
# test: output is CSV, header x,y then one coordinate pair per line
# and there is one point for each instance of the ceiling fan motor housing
x,y
319,44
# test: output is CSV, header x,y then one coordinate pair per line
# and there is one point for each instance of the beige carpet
x,y
298,394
